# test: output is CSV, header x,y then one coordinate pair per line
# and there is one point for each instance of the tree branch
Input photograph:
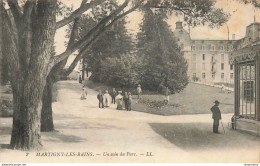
x,y
78,12
89,36
16,10
58,68
84,50
25,33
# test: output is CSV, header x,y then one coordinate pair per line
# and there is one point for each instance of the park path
x,y
83,127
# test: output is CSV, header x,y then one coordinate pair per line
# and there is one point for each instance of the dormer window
x,y
212,48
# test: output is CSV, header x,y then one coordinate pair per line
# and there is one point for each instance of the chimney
x,y
178,25
233,36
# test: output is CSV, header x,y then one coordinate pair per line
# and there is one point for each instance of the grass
x,y
6,104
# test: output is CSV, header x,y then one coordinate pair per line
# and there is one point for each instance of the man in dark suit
x,y
100,99
216,115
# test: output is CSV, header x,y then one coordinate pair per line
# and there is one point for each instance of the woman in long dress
x,y
119,101
84,93
107,99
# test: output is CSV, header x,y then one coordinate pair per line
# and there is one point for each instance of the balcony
x,y
213,61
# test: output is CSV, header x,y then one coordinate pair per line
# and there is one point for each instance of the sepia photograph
x,y
129,81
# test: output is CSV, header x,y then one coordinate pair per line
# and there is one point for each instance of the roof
x,y
245,54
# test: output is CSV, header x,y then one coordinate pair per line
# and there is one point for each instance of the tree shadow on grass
x,y
59,137
199,136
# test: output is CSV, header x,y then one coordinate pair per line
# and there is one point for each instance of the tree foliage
x,y
194,12
163,63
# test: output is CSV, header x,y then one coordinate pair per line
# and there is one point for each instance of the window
x,y
193,48
222,57
213,76
222,66
194,66
194,75
203,66
248,91
182,46
221,47
231,67
247,95
194,57
203,57
222,76
231,75
203,47
203,75
213,59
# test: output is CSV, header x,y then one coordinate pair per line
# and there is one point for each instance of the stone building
x,y
208,60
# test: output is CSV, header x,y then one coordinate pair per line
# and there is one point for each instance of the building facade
x,y
209,60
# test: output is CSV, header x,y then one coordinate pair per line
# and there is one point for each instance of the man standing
x,y
114,96
100,99
216,115
125,98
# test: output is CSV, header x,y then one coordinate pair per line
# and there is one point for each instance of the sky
x,y
241,16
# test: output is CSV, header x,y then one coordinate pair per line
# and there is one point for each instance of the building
x,y
246,60
208,60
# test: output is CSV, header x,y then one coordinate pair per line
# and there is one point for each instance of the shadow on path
x,y
5,130
59,137
198,136
5,146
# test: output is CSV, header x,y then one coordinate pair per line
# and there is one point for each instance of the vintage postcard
x,y
130,81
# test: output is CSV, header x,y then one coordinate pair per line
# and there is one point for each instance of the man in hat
x,y
216,115
100,99
139,91
114,96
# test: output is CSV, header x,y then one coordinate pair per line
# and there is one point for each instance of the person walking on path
x,y
125,98
216,115
114,96
119,101
129,107
83,94
107,99
139,91
100,99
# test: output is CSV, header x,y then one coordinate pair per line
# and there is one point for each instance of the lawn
x,y
194,99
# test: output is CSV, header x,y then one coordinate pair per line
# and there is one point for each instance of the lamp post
x,y
228,30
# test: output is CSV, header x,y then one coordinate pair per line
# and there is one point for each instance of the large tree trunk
x,y
26,118
29,38
46,113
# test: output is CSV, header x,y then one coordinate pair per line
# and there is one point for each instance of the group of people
x,y
122,101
